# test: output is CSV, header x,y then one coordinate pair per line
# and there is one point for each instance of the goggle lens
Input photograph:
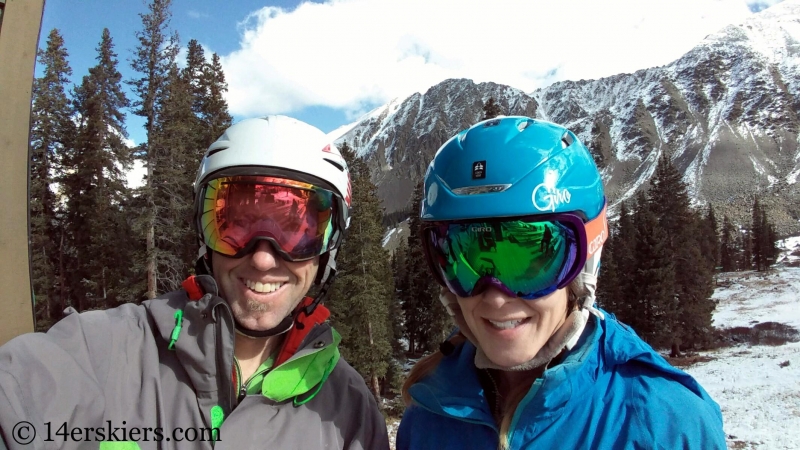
x,y
526,259
237,211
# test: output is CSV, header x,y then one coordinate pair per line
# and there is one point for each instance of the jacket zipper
x,y
243,385
227,392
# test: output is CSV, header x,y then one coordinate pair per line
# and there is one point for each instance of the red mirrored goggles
x,y
298,218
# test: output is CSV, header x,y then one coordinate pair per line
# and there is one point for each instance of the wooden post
x,y
20,24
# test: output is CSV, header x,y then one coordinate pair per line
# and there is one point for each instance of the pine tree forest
x,y
96,243
658,265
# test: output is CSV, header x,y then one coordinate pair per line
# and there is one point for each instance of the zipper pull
x,y
242,393
176,332
217,417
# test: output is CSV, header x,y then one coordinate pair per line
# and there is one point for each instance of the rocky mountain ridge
x,y
726,113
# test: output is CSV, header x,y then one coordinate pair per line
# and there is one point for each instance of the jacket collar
x,y
205,344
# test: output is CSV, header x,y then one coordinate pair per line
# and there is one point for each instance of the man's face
x,y
261,288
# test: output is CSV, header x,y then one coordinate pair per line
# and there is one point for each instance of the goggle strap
x,y
596,233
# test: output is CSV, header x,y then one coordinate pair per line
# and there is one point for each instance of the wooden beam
x,y
19,38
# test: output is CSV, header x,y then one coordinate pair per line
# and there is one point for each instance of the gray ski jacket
x,y
160,375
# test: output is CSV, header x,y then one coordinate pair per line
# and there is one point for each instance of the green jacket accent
x,y
301,373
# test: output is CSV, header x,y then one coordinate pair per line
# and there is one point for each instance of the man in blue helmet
x,y
534,364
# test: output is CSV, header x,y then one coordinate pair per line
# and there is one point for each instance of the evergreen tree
x,y
729,251
194,72
214,116
52,132
400,275
362,294
695,286
491,109
771,244
413,305
669,201
758,236
746,244
94,185
175,165
394,375
768,242
154,56
654,306
710,243
623,257
427,323
207,86
685,235
608,284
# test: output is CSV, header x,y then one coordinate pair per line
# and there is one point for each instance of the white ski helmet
x,y
284,147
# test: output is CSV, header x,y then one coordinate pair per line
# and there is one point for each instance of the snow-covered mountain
x,y
726,113
399,139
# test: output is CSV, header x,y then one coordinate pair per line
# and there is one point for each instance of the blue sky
x,y
81,24
328,62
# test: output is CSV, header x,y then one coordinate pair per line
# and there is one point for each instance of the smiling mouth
x,y
262,288
506,325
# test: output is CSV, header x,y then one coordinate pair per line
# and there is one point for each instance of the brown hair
x,y
428,364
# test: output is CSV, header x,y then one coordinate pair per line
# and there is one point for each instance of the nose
x,y
264,257
495,298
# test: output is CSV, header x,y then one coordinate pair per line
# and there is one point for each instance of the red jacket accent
x,y
302,326
192,288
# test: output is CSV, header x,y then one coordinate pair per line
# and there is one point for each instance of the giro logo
x,y
548,198
477,229
598,240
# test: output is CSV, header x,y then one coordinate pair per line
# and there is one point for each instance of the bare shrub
x,y
766,333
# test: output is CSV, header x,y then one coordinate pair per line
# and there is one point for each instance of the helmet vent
x,y
566,140
491,123
216,150
524,124
335,164
486,189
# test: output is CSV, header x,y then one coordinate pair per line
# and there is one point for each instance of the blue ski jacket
x,y
611,391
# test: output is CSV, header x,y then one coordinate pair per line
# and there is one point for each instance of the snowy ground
x,y
756,386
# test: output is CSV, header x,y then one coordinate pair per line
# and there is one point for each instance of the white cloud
x,y
351,54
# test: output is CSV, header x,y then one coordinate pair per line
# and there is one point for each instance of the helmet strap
x,y
286,324
325,277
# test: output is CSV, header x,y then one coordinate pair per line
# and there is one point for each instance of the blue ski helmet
x,y
512,166
515,167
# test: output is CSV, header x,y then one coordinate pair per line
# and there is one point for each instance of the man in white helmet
x,y
241,357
